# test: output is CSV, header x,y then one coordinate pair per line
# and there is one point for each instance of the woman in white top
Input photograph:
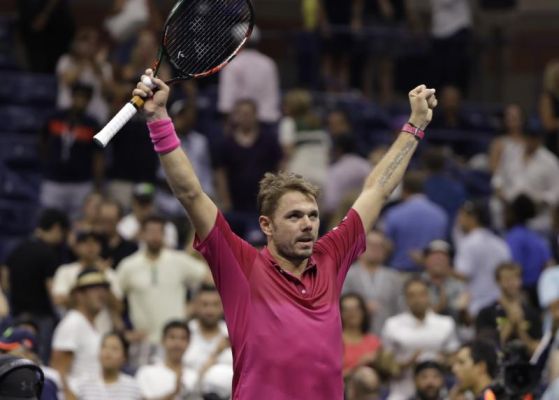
x,y
112,384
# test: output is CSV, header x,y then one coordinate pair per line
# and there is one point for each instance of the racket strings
x,y
203,34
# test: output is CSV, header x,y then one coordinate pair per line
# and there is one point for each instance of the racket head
x,y
200,37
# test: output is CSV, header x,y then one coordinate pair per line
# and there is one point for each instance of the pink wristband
x,y
163,135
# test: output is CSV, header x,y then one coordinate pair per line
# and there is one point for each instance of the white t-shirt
x,y
129,226
449,16
65,279
77,335
98,106
200,348
403,335
94,388
156,289
157,381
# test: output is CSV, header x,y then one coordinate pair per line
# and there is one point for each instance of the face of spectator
x,y
352,315
185,120
85,43
364,384
417,298
338,124
88,250
175,344
294,226
510,283
513,118
429,383
94,299
209,308
80,101
112,355
109,216
376,251
145,46
56,235
91,207
244,116
451,99
464,369
142,208
437,263
464,220
153,235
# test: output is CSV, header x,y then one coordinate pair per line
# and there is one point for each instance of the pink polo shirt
x,y
285,332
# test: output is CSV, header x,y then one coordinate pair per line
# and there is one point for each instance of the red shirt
x,y
285,331
354,351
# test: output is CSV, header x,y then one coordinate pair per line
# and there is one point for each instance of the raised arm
x,y
388,173
179,171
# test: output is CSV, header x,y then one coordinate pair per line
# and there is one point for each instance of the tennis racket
x,y
199,38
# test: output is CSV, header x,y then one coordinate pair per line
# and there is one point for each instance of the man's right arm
x,y
178,170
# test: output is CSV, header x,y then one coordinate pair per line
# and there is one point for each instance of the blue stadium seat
x,y
17,217
19,151
23,118
18,186
29,89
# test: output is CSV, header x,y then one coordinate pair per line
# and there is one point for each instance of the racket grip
x,y
114,125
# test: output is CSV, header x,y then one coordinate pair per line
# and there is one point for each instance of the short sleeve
x,y
66,335
463,262
344,243
193,270
61,285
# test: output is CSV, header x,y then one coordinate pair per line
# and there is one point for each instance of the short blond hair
x,y
274,186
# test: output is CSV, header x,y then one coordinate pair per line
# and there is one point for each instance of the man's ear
x,y
265,225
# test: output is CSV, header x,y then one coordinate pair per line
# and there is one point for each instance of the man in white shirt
x,y
209,343
478,255
76,342
169,379
417,334
88,250
155,281
251,75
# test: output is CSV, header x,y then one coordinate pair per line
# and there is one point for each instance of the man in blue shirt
x,y
413,224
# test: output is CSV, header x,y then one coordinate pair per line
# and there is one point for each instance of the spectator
x,y
478,255
549,106
380,286
346,174
417,334
534,172
47,29
339,22
528,249
89,218
196,145
169,379
20,379
73,164
88,249
29,272
253,76
363,384
4,306
216,384
305,144
413,224
209,342
155,281
511,143
447,293
475,366
440,186
111,383
126,19
338,123
360,347
22,342
510,317
86,64
115,246
76,342
429,381
247,153
451,33
143,206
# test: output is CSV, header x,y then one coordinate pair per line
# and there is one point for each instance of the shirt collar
x,y
272,261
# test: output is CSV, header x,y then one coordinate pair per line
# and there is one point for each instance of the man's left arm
x,y
388,173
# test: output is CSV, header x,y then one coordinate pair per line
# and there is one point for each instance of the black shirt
x,y
487,321
30,264
116,254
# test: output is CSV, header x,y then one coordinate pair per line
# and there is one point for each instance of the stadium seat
x,y
29,89
23,118
19,151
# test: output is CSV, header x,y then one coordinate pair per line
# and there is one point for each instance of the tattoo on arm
x,y
395,163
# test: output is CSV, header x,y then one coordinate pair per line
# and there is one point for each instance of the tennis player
x,y
281,303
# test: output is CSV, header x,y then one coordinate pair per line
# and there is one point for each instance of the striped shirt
x,y
94,388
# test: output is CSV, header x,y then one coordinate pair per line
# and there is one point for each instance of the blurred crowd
x,y
459,273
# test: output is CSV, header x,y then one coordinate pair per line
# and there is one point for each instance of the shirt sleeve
x,y
66,335
463,262
194,270
344,243
60,285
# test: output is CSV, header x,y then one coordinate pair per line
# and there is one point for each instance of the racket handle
x,y
119,120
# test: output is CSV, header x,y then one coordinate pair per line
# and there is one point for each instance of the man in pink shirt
x,y
281,303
